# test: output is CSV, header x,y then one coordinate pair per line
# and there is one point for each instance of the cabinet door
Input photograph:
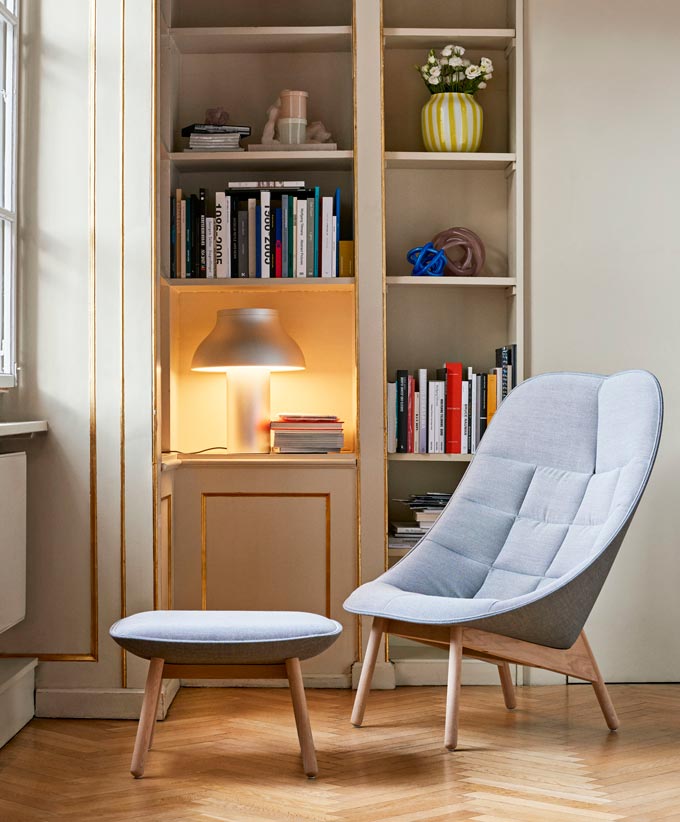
x,y
269,538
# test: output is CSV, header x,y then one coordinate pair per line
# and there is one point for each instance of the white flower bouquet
x,y
452,72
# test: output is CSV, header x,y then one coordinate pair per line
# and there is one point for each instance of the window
x,y
9,25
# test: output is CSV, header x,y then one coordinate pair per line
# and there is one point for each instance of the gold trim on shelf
x,y
122,518
205,495
156,579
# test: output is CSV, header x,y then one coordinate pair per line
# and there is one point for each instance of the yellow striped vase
x,y
452,121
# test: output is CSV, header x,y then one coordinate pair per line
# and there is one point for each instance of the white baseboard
x,y
383,676
310,681
99,703
435,672
537,676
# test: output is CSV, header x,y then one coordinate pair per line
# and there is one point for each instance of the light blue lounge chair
x,y
514,564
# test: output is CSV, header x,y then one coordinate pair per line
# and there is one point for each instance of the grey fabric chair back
x,y
538,518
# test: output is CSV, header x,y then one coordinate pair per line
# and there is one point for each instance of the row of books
x,y
307,434
447,415
278,231
205,137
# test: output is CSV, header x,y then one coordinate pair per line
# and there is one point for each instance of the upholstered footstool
x,y
224,645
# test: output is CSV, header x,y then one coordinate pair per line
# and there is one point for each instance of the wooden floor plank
x,y
231,755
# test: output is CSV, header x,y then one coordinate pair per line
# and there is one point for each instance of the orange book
x,y
490,398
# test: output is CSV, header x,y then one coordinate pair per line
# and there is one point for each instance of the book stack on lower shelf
x,y
426,509
305,434
447,415
258,230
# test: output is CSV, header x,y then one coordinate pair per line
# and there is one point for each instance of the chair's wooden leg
x,y
304,730
155,712
600,689
147,717
453,687
374,639
507,686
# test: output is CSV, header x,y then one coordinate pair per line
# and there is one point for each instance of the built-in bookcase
x,y
240,55
431,320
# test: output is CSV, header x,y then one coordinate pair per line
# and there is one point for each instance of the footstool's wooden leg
x,y
304,730
154,680
155,713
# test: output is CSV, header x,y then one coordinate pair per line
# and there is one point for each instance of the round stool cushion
x,y
225,637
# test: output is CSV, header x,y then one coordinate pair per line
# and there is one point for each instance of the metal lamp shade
x,y
247,337
247,344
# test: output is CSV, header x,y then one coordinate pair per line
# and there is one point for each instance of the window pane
x,y
6,114
10,5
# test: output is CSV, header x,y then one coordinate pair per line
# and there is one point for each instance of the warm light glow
x,y
242,369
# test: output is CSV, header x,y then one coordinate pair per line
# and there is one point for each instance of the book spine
x,y
309,246
243,243
301,267
195,236
180,232
258,241
334,255
416,422
464,410
173,238
284,235
410,434
454,380
291,236
391,417
483,403
317,203
210,247
441,417
473,414
431,415
252,237
513,363
220,244
183,238
266,233
326,236
278,249
202,239
234,236
491,397
422,394
402,411
336,244
478,410
187,235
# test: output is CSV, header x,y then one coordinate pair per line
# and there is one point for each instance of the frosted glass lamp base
x,y
248,415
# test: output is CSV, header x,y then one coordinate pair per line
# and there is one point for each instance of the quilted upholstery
x,y
540,512
225,637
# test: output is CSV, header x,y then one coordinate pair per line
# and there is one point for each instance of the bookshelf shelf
x,y
215,284
453,282
430,457
474,161
411,38
262,39
301,161
283,460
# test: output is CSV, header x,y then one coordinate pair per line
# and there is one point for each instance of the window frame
x,y
8,272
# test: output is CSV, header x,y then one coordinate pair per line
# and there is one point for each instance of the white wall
x,y
604,267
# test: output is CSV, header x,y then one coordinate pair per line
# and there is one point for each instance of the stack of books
x,y
203,137
307,434
426,509
447,415
263,230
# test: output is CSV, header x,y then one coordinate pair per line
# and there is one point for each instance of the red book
x,y
410,440
454,390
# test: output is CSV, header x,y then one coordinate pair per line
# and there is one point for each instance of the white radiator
x,y
12,539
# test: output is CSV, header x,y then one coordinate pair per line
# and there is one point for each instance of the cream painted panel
x,y
242,538
254,543
604,176
53,318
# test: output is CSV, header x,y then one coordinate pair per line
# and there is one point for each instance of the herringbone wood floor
x,y
233,755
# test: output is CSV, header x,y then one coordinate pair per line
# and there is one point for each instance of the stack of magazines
x,y
307,434
203,137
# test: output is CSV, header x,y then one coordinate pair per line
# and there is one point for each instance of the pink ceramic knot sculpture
x,y
472,260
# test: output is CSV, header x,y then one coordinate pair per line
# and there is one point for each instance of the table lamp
x,y
247,344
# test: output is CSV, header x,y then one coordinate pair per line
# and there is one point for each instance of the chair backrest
x,y
555,481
